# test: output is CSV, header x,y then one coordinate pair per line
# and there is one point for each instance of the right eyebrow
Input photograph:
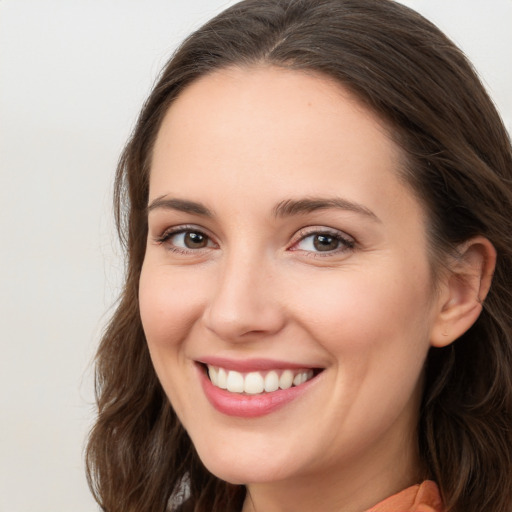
x,y
181,205
310,204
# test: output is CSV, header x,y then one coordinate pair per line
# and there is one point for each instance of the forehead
x,y
248,127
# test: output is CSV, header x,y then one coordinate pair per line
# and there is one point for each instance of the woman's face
x,y
284,247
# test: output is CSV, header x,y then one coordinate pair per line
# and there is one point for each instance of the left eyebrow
x,y
181,205
292,207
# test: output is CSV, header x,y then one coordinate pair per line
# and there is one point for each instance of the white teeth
x,y
222,379
213,374
299,378
302,377
286,379
235,382
254,383
271,381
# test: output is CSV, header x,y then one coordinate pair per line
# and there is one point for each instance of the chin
x,y
242,469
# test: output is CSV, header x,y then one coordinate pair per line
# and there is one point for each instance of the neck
x,y
355,487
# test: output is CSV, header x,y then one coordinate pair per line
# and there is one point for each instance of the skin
x,y
240,142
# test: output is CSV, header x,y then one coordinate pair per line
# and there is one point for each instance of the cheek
x,y
378,307
376,331
168,309
168,306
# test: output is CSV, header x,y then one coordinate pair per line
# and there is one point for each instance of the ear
x,y
463,290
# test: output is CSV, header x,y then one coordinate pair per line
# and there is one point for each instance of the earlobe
x,y
464,289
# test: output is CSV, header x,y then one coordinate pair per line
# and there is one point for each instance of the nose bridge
x,y
244,300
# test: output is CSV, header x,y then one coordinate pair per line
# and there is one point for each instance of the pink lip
x,y
250,406
251,365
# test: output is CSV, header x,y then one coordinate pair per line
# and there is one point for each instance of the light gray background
x,y
73,74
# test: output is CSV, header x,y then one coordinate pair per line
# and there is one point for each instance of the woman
x,y
317,313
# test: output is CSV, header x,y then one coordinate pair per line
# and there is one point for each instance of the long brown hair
x,y
459,164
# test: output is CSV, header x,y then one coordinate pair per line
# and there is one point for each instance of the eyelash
x,y
167,235
346,243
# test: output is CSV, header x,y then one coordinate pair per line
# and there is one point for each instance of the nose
x,y
244,303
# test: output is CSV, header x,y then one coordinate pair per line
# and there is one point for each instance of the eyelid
x,y
169,232
347,242
345,239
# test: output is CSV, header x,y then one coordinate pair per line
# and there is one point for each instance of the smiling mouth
x,y
258,382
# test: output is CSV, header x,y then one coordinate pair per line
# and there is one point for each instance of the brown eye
x,y
186,240
325,242
194,240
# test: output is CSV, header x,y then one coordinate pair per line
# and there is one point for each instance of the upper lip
x,y
248,365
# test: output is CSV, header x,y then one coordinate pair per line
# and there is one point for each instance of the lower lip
x,y
250,406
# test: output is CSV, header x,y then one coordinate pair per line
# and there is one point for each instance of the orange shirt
x,y
423,497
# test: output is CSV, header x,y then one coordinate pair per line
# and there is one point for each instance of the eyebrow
x,y
182,205
292,207
287,208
